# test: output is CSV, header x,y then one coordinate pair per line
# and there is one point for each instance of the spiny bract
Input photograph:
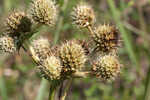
x,y
72,56
106,38
51,68
17,23
44,11
106,68
83,15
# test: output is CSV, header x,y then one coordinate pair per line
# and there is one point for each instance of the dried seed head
x,y
83,15
51,68
44,11
8,44
106,68
18,22
72,56
40,49
106,38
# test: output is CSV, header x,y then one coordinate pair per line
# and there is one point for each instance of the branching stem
x,y
90,29
64,93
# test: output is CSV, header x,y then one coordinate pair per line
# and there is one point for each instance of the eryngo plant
x,y
72,59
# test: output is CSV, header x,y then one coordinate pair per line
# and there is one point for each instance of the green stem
x,y
3,90
57,33
147,84
52,90
43,88
60,22
52,93
142,25
7,5
64,93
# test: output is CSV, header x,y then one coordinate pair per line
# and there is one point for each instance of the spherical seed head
x,y
44,11
18,22
106,68
106,38
7,44
72,56
83,15
40,49
51,69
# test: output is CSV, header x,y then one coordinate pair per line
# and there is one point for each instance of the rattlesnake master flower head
x,y
17,23
51,68
40,49
44,12
8,44
106,38
106,68
72,56
83,15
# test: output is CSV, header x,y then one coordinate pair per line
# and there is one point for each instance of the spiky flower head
x,y
51,68
17,23
8,44
40,49
106,38
72,56
83,15
44,11
106,68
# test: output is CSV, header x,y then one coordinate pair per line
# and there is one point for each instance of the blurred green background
x,y
18,77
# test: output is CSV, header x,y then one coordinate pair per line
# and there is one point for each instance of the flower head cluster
x,y
51,68
106,68
106,38
49,65
17,23
83,15
44,12
72,56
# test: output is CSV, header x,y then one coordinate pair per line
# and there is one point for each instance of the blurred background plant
x,y
19,81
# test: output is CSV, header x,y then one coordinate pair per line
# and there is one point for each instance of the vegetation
x,y
111,67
